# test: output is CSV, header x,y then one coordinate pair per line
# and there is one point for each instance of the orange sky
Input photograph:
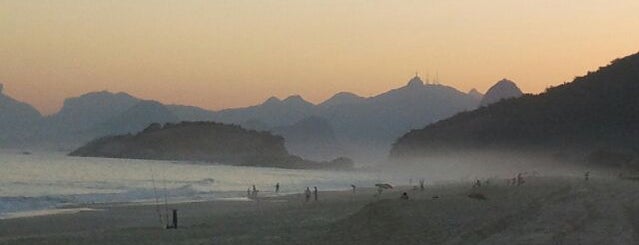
x,y
230,53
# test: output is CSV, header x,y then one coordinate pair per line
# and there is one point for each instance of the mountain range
x,y
98,114
345,124
17,120
593,113
363,127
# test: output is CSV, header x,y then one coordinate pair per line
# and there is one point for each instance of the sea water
x,y
40,181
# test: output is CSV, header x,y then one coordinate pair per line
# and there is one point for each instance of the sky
x,y
232,53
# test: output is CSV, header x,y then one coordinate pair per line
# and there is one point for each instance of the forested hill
x,y
594,112
204,142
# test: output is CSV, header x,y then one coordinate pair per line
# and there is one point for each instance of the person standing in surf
x,y
307,194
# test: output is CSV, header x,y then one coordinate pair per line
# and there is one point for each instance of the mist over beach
x,y
306,122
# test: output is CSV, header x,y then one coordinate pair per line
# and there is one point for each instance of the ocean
x,y
32,183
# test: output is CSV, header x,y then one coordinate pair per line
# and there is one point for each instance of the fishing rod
x,y
166,202
157,200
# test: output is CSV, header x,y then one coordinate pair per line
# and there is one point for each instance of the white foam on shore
x,y
27,214
42,183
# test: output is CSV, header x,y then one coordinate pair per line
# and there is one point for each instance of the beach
x,y
544,210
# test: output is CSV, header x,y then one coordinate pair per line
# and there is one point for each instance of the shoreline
x,y
543,210
46,212
91,207
40,183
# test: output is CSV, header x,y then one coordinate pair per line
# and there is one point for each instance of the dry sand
x,y
545,210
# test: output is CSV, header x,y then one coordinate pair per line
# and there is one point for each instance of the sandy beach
x,y
544,210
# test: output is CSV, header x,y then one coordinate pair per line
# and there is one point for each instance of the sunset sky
x,y
218,54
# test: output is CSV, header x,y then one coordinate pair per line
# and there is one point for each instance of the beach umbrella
x,y
384,186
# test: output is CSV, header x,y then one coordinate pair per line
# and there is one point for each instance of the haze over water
x,y
47,180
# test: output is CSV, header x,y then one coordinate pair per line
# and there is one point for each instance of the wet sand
x,y
545,210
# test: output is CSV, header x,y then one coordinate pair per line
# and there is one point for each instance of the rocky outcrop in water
x,y
203,142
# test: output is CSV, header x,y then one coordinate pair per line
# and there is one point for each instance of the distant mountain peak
x,y
415,82
272,100
103,94
17,121
342,98
295,98
473,91
98,97
345,94
298,102
504,89
505,82
475,94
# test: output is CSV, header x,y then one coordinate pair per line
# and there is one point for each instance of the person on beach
x,y
477,184
354,187
277,187
307,194
254,192
315,192
587,175
520,179
404,196
421,185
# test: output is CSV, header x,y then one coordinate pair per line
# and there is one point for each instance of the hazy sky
x,y
218,54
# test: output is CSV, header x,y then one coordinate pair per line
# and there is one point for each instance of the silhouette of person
x,y
307,194
477,184
315,192
520,179
421,185
254,192
277,187
404,196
